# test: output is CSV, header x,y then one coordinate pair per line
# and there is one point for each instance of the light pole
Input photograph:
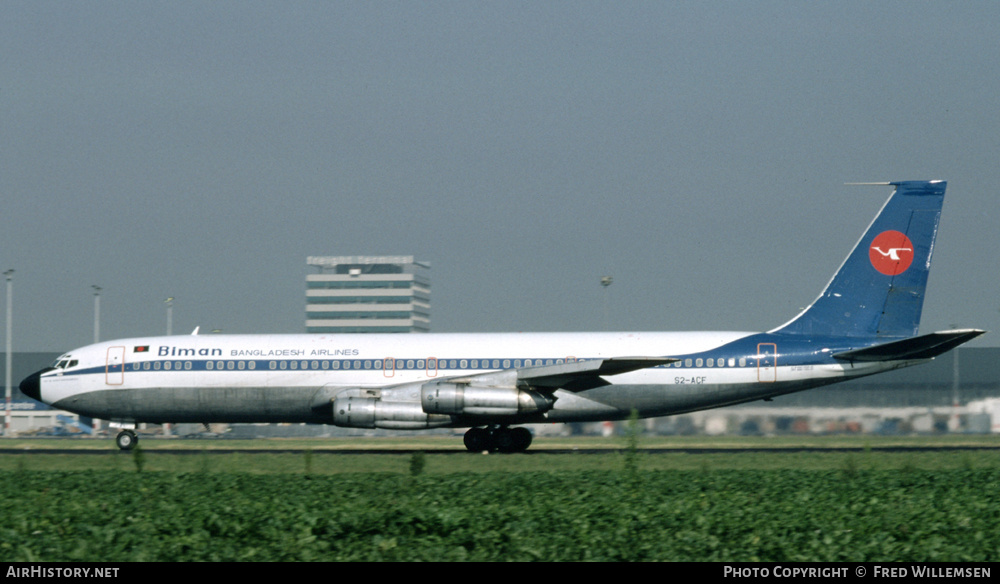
x,y
170,326
955,401
605,282
7,364
95,424
97,313
170,315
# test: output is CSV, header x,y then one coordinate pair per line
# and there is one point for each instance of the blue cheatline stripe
x,y
267,365
700,361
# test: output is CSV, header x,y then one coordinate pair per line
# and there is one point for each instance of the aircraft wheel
x,y
504,441
522,438
477,440
512,439
126,440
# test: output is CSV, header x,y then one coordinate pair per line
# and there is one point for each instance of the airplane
x,y
864,322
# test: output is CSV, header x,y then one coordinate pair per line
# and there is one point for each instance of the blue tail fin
x,y
879,289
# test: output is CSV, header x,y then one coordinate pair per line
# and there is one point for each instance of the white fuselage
x,y
295,378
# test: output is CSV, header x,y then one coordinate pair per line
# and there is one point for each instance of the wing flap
x,y
573,376
582,375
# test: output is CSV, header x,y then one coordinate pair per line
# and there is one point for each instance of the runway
x,y
461,451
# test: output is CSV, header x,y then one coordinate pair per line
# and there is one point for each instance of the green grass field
x,y
445,454
425,504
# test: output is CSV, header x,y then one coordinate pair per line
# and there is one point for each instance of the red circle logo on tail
x,y
891,253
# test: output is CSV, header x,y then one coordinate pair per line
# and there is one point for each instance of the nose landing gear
x,y
126,440
497,439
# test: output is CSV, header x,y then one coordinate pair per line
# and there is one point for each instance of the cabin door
x,y
114,371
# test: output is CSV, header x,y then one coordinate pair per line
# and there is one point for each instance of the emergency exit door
x,y
767,362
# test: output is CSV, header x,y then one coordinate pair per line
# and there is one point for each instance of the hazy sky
x,y
695,151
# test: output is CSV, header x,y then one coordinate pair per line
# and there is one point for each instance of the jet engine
x,y
469,400
434,405
375,412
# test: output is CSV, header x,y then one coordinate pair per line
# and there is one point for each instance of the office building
x,y
368,294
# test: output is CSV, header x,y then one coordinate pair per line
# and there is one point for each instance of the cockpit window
x,y
65,363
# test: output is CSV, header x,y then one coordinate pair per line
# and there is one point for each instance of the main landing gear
x,y
498,439
126,440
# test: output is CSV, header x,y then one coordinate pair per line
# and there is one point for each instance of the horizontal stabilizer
x,y
922,347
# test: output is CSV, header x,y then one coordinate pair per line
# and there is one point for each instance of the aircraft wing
x,y
921,347
573,376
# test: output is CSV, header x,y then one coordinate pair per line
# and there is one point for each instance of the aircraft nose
x,y
31,385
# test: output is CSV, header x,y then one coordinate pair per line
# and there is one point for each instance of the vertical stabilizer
x,y
879,289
